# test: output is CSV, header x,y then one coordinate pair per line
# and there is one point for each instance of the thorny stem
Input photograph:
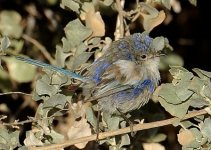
x,y
104,135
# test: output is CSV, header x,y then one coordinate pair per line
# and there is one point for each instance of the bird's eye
x,y
143,56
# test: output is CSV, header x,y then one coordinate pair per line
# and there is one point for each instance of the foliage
x,y
85,38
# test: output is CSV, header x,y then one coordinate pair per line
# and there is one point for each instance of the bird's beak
x,y
159,54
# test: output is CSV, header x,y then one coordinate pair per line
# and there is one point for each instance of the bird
x,y
123,78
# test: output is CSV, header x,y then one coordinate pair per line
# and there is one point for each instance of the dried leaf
x,y
185,137
153,146
95,22
79,129
151,17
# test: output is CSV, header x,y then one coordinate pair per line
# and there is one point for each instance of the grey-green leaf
x,y
5,43
71,4
206,128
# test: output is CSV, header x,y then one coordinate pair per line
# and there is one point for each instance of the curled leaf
x,y
151,17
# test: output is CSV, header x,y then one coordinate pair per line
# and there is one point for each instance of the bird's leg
x,y
128,121
98,126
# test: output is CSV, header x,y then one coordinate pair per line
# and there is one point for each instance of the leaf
x,y
165,3
151,17
76,33
193,2
43,86
180,73
171,60
32,140
182,90
81,59
55,101
55,137
9,140
79,129
185,137
153,146
20,71
178,110
95,22
202,74
158,43
112,122
72,5
157,138
207,91
206,128
197,85
5,43
61,56
10,24
107,2
168,92
91,118
125,140
198,101
59,79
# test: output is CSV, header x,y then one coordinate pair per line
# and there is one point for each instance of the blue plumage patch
x,y
99,71
141,42
135,92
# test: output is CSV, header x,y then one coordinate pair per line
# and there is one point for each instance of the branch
x,y
40,47
9,93
104,135
120,21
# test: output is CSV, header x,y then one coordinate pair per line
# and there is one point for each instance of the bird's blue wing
x,y
68,73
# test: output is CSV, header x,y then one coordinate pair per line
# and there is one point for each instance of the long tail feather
x,y
52,67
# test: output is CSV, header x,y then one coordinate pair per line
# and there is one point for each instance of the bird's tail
x,y
38,63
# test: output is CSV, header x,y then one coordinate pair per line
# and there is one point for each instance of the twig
x,y
17,123
104,135
40,47
120,21
9,93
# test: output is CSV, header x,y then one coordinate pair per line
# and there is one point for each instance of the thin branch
x,y
9,93
104,135
17,123
120,20
40,47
